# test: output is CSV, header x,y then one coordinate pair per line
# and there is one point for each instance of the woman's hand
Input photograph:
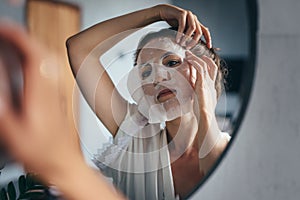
x,y
188,25
39,136
204,73
211,142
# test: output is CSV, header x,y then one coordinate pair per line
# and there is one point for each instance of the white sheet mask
x,y
137,126
166,44
160,77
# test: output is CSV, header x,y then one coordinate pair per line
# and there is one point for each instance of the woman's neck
x,y
182,133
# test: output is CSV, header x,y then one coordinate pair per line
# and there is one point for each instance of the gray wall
x,y
220,17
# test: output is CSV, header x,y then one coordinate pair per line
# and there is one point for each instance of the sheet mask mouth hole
x,y
165,92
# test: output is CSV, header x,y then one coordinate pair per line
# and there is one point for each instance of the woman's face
x,y
163,70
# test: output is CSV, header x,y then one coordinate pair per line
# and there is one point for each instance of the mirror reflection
x,y
135,124
161,87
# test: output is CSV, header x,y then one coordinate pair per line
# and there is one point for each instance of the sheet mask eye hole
x,y
146,74
172,60
146,71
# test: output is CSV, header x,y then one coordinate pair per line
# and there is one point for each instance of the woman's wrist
x,y
208,137
151,15
157,11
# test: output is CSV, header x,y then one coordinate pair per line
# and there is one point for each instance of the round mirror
x,y
232,25
148,166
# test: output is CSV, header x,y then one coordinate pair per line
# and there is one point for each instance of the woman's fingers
x,y
200,74
181,25
210,65
204,85
193,31
200,66
191,24
213,68
207,36
9,119
196,34
10,125
189,27
189,30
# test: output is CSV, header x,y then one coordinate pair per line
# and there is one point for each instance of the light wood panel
x,y
51,23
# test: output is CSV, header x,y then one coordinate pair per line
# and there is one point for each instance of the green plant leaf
x,y
29,181
11,191
32,180
3,194
38,187
29,189
22,184
32,195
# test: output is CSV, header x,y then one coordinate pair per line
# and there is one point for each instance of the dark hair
x,y
199,50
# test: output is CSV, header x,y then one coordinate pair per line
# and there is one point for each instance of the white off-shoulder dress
x,y
139,162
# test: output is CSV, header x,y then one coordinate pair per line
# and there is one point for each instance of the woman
x,y
165,62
